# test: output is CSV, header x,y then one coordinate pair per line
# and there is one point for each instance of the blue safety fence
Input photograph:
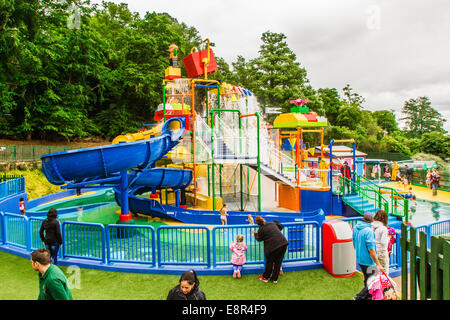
x,y
35,226
84,240
304,243
172,245
222,237
131,244
12,187
16,230
184,246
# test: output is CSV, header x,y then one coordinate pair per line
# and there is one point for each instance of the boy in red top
x,y
345,171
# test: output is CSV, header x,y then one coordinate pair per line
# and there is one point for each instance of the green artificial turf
x,y
20,282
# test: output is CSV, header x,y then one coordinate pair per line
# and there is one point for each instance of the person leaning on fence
x,y
275,245
366,255
187,289
50,234
53,283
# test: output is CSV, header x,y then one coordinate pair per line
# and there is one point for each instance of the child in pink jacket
x,y
238,256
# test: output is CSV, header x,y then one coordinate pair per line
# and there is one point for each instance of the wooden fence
x,y
429,268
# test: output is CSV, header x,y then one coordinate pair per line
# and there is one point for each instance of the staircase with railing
x,y
226,144
365,196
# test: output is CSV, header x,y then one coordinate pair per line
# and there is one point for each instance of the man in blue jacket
x,y
366,255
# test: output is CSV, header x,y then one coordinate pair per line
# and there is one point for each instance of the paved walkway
x,y
422,192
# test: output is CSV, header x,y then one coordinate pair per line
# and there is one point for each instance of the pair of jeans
x,y
434,187
53,248
367,271
273,263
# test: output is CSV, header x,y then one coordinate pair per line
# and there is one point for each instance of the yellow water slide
x,y
129,137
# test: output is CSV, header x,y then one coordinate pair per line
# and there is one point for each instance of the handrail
x,y
380,201
394,202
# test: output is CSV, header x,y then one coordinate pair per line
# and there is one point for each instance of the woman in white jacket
x,y
379,226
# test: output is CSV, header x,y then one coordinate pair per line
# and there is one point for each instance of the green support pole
x,y
220,179
209,183
240,169
259,163
212,147
213,182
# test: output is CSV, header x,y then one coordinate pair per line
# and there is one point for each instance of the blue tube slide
x,y
103,161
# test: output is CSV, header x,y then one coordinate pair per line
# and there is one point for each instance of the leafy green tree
x,y
390,144
352,99
386,120
279,77
435,143
421,117
331,103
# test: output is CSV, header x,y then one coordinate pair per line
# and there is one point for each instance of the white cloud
x,y
388,51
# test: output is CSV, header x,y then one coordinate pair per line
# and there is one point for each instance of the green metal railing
x,y
367,193
398,204
28,152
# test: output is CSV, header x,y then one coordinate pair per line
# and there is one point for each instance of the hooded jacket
x,y
363,241
177,294
52,232
381,236
238,256
271,234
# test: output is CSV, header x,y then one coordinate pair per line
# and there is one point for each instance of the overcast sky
x,y
388,51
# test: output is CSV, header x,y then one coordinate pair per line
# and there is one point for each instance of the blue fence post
x,y
108,245
3,225
154,258
103,245
159,246
27,233
208,246
214,247
318,241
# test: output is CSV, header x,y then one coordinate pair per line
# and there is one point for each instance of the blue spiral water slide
x,y
110,163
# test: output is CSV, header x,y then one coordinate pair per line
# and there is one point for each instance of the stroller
x,y
382,287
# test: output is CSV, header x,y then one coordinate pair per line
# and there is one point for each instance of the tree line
x,y
71,69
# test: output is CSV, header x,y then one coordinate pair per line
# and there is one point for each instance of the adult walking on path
x,y
275,245
366,255
435,180
53,283
50,234
380,229
408,173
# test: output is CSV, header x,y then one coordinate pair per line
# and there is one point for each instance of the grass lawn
x,y
20,282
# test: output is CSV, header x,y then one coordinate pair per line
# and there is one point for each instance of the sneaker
x,y
275,281
263,279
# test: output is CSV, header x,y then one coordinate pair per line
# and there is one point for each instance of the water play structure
x,y
209,146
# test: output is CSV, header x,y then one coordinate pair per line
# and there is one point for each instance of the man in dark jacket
x,y
50,234
275,245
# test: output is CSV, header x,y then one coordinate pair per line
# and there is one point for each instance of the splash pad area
x,y
149,201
